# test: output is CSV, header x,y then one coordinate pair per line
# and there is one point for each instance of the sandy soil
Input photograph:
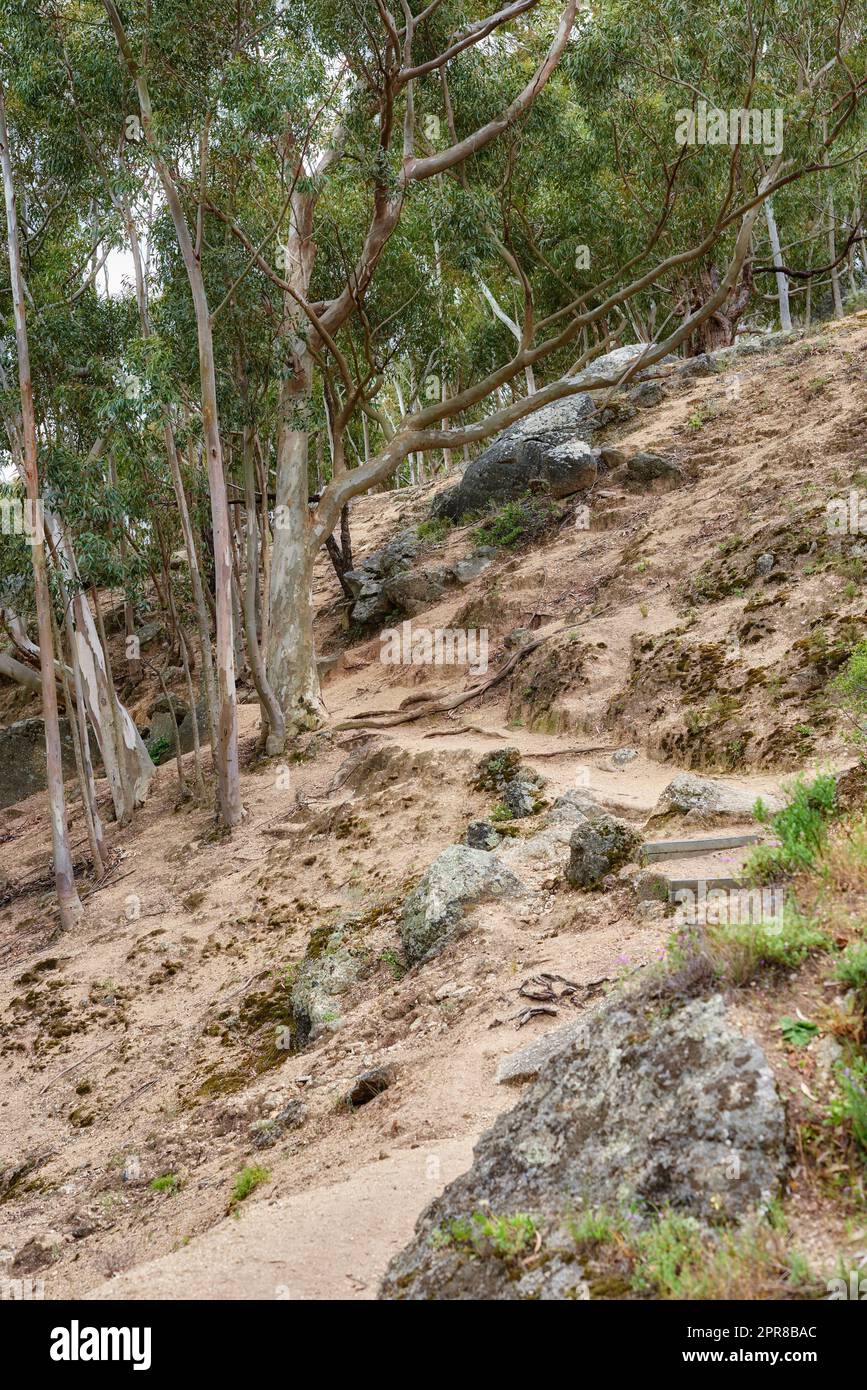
x,y
141,1046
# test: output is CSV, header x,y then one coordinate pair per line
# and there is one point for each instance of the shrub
x,y
246,1182
435,530
518,523
801,828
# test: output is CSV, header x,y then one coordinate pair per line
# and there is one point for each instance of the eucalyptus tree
x,y
69,333
64,877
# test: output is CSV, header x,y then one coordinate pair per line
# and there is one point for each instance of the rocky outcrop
x,y
653,471
518,788
368,580
331,967
387,581
548,451
637,1111
692,800
433,914
161,733
597,847
22,759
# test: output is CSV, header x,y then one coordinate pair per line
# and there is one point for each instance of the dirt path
x,y
326,1243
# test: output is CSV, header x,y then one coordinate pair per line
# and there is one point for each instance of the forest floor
x,y
141,1046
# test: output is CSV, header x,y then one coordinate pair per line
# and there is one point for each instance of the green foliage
x,y
851,968
797,1032
435,530
160,749
801,828
246,1182
169,1182
851,687
517,524
851,1109
739,950
502,1236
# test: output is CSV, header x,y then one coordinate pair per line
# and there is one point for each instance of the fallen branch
x,y
448,702
464,729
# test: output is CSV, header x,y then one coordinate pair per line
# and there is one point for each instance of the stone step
x,y
654,850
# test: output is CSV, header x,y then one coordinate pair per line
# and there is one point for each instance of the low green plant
x,y
797,1032
801,828
435,530
169,1182
392,960
516,524
480,1234
739,950
851,968
246,1182
851,688
159,749
853,1095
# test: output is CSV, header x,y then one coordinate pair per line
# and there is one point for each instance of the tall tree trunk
x,y
832,232
64,877
226,753
782,279
202,616
272,715
292,670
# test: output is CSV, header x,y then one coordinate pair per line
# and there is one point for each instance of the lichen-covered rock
x,y
331,967
706,801
433,914
651,885
474,564
417,589
267,1132
598,846
482,835
519,788
648,470
22,759
547,450
575,805
367,582
639,1110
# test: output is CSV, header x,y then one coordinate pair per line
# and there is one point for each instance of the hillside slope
x,y
699,624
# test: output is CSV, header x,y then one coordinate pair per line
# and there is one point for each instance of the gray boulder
x,y
416,589
474,564
265,1133
547,451
598,847
575,805
433,914
519,788
482,835
680,1111
367,581
694,800
514,466
330,968
22,759
647,470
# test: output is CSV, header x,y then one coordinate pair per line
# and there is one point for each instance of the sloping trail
x,y
328,1243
